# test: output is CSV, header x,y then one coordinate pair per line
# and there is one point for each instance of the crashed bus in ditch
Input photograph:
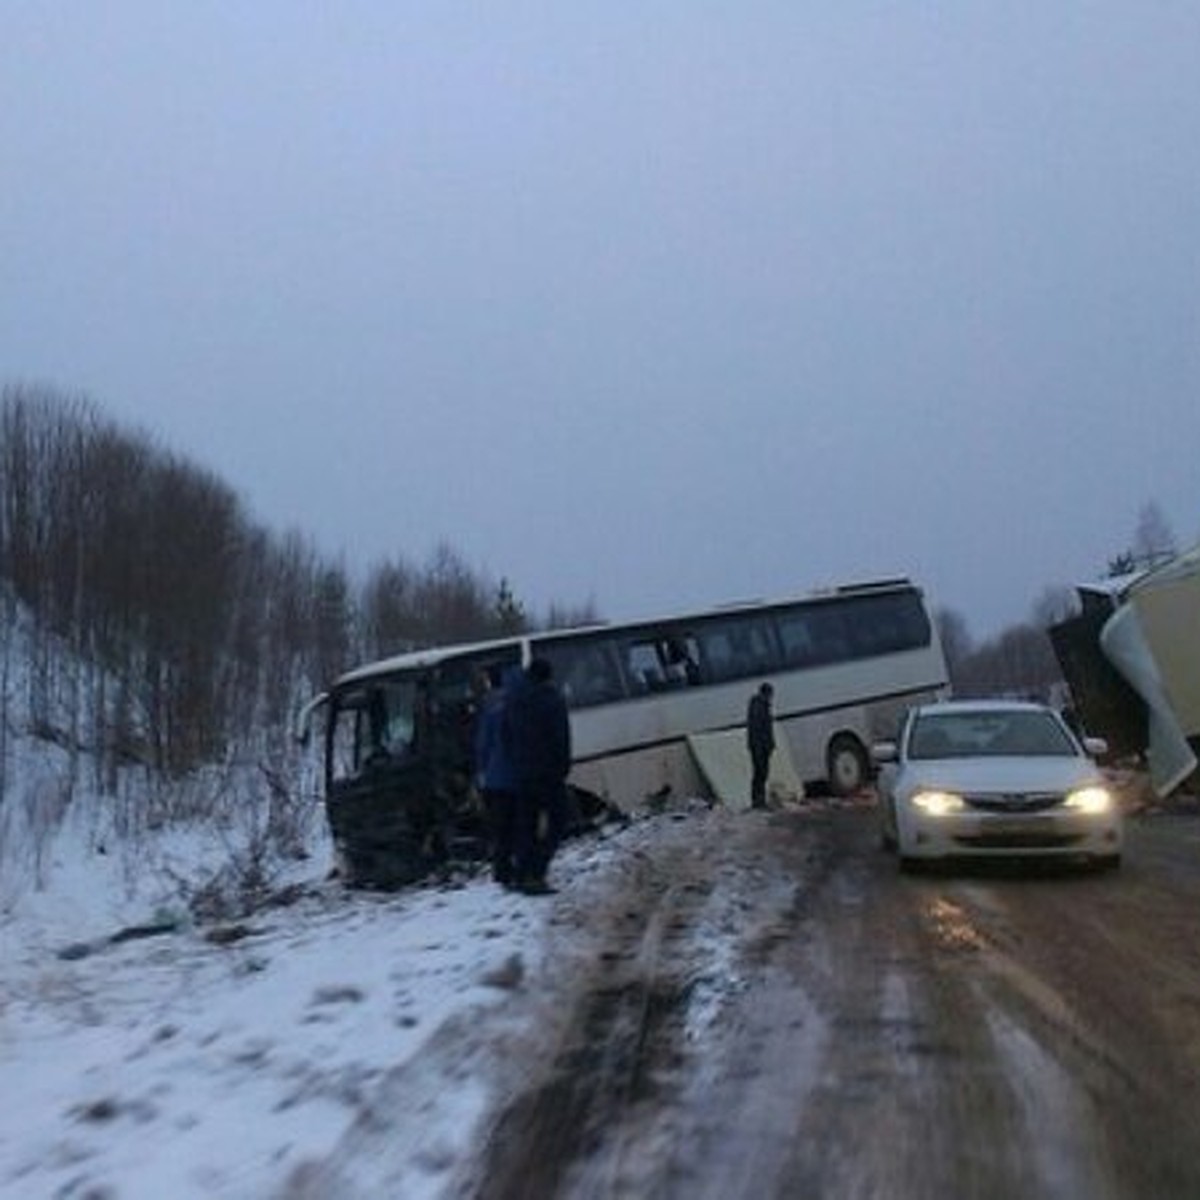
x,y
657,709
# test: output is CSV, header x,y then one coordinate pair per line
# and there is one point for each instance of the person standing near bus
x,y
538,732
760,741
494,774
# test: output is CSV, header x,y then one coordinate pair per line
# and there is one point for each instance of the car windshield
x,y
994,733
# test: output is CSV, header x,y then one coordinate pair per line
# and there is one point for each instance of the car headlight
x,y
1089,800
938,804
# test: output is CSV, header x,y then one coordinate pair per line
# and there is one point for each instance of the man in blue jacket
x,y
494,774
538,739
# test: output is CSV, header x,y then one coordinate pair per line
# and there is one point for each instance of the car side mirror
x,y
884,752
1095,747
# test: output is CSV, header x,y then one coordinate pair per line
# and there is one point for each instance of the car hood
x,y
1000,774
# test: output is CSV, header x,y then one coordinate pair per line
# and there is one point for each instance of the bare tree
x,y
569,616
1056,603
1019,662
1121,564
167,628
8,627
333,612
453,601
509,612
956,641
389,621
1153,540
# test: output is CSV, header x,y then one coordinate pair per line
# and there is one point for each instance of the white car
x,y
994,778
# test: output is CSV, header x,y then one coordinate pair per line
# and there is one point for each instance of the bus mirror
x,y
302,727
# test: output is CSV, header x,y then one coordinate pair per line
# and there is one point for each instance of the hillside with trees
x,y
147,619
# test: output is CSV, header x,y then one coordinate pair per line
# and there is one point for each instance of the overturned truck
x,y
1132,660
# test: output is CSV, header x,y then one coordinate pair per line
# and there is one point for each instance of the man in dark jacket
x,y
538,739
760,741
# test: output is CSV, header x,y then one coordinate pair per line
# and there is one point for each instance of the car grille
x,y
1014,802
1019,841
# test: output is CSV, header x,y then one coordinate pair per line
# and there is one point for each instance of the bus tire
x,y
846,765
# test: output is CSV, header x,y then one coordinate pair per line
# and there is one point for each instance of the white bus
x,y
646,698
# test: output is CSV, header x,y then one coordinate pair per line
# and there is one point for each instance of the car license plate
x,y
1018,826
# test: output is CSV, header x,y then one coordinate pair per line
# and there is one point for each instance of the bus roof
x,y
428,657
432,655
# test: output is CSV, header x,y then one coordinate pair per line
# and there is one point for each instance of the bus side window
x,y
871,627
682,658
799,649
830,644
758,652
718,655
586,671
738,648
900,623
641,658
663,662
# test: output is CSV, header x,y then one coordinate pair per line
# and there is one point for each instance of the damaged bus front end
x,y
398,786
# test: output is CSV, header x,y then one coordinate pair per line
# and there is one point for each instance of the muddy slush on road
x,y
765,1007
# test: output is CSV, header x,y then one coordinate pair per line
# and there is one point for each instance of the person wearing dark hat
x,y
538,733
760,741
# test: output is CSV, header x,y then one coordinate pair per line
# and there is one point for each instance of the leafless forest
x,y
146,618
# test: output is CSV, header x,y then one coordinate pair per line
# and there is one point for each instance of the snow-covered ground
x,y
229,1058
159,1040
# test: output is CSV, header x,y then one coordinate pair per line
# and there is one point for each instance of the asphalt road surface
x,y
772,1010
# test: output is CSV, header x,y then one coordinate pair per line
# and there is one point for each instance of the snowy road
x,y
715,1005
771,1010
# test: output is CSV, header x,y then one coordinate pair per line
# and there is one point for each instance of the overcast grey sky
x,y
660,304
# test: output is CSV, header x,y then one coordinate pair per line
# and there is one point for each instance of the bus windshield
x,y
371,726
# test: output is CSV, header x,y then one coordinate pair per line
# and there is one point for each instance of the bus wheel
x,y
846,765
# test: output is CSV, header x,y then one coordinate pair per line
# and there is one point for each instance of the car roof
x,y
980,706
